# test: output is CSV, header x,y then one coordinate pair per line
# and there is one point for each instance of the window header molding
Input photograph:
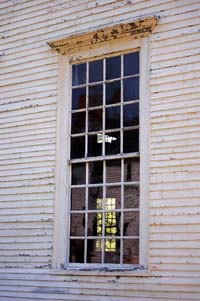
x,y
135,29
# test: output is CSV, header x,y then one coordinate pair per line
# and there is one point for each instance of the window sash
x,y
63,174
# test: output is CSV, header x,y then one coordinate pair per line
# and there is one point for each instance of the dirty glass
x,y
113,171
95,95
95,120
131,114
131,88
113,67
77,147
113,92
96,71
95,172
78,74
78,198
94,148
78,173
112,117
78,98
104,158
131,63
78,123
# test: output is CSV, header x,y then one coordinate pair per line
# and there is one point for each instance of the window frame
x,y
62,202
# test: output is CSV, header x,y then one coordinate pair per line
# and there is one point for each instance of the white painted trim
x,y
61,224
144,150
60,207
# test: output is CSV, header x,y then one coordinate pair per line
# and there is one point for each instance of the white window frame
x,y
62,192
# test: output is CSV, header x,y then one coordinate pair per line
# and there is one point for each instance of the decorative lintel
x,y
136,29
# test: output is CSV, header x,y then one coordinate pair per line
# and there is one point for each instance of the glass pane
x,y
131,141
113,171
113,197
95,120
131,114
77,147
94,250
94,147
131,63
131,196
113,117
77,222
112,141
95,71
78,198
79,74
113,92
113,67
78,174
96,172
95,224
131,88
131,251
95,198
131,223
131,169
112,223
78,123
76,250
112,251
96,96
78,98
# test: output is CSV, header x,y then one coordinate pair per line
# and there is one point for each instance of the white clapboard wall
x,y
28,102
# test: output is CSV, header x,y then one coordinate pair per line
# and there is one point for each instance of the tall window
x,y
104,161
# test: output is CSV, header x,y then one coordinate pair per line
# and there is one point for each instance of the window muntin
x,y
104,212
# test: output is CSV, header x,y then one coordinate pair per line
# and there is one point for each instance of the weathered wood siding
x,y
28,91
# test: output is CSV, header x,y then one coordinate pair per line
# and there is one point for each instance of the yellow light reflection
x,y
110,224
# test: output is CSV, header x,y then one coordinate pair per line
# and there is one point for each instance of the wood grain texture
x,y
29,144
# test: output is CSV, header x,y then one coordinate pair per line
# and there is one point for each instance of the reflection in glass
x,y
131,169
113,117
112,221
94,250
131,251
78,98
95,197
94,148
78,123
78,74
112,250
77,147
113,197
95,95
131,141
95,71
78,174
131,88
131,63
95,172
131,196
113,92
131,223
95,226
113,171
113,144
78,198
77,222
113,67
131,114
76,250
95,120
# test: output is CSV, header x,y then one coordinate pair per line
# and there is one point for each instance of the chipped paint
x,y
137,29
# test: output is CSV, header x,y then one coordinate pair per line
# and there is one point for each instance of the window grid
x,y
105,238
